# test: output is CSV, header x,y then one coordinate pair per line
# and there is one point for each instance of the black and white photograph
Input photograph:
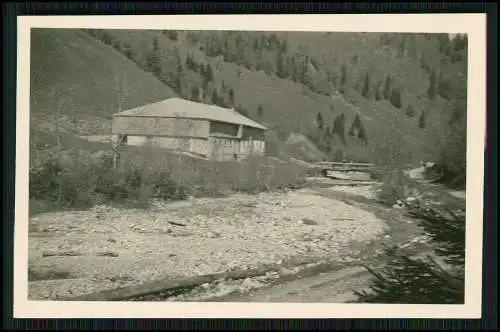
x,y
192,161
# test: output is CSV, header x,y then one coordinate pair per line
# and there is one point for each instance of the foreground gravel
x,y
89,251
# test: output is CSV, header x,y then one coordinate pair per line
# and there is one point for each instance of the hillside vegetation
x,y
78,80
384,98
350,93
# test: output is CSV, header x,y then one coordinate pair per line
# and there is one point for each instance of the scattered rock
x,y
111,240
249,204
107,254
175,223
61,253
306,221
213,235
182,234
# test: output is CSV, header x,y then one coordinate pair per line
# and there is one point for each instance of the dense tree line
x,y
190,78
196,78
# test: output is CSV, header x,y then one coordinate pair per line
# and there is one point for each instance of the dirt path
x,y
81,252
330,287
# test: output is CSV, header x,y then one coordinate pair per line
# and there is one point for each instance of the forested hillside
x,y
363,96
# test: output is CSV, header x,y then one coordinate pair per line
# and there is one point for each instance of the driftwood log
x,y
167,285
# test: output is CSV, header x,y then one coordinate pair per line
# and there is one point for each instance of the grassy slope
x,y
72,69
293,107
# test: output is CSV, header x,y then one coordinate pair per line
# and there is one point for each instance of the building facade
x,y
186,126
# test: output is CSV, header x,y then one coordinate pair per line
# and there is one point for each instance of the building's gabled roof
x,y
181,108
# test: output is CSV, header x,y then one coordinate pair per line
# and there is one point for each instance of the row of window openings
x,y
244,143
226,142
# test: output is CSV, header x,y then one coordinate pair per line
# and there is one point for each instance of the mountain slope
x,y
354,95
282,102
82,79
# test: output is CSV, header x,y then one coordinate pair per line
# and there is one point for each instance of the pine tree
x,y
231,96
195,93
260,110
410,112
284,46
153,59
357,122
411,280
351,132
362,135
281,71
338,127
127,51
402,46
444,87
215,97
432,90
387,87
396,98
378,94
178,85
241,110
256,45
366,86
320,123
421,120
343,75
172,34
209,74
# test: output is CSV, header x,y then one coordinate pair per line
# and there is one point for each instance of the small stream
x,y
336,282
332,282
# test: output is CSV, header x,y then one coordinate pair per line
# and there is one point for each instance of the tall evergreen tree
x,y
357,122
153,59
215,98
338,127
320,123
396,99
410,112
432,90
231,96
260,110
366,86
362,135
343,75
387,87
421,120
411,280
281,70
378,94
209,74
402,46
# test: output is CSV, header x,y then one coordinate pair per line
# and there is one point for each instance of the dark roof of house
x,y
182,108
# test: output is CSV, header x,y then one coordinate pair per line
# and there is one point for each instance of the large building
x,y
207,130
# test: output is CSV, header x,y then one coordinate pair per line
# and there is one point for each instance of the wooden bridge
x,y
345,167
340,170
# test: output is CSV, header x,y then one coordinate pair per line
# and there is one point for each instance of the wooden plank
x,y
344,164
166,285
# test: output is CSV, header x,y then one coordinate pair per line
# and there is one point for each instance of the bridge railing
x,y
338,166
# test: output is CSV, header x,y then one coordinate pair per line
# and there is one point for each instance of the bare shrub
x,y
85,179
395,186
